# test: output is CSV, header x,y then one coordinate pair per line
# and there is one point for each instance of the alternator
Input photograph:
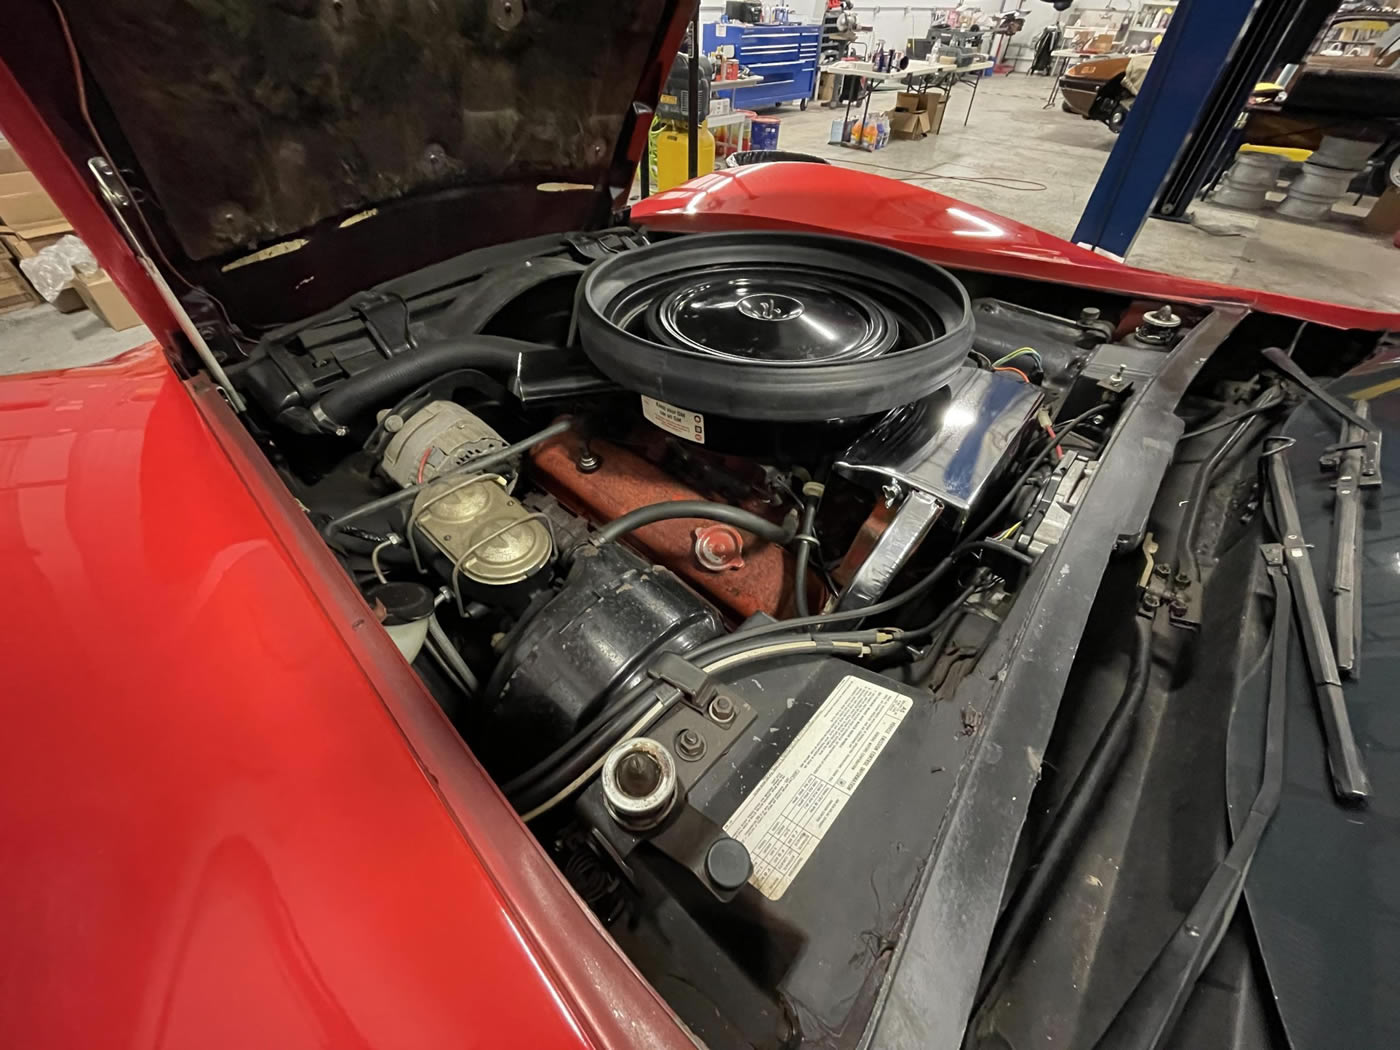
x,y
439,436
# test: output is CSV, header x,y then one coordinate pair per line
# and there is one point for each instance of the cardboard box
x,y
917,113
25,242
9,159
911,101
1384,216
28,241
15,302
826,87
15,182
15,291
23,201
28,209
105,300
906,125
13,285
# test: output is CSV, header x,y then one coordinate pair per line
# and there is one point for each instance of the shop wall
x,y
895,23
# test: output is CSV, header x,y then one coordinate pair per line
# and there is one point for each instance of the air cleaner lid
x,y
775,326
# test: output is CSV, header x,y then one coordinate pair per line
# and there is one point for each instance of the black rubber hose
x,y
609,717
1186,542
398,375
1079,807
698,508
806,540
1062,430
1148,1017
1221,424
526,791
419,396
575,754
471,466
618,714
822,620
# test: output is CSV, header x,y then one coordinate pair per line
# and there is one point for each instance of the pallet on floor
x,y
15,290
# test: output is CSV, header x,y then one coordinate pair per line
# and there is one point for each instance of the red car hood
x,y
287,155
824,198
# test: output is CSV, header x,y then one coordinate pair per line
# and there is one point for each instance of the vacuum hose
x,y
1081,804
695,508
806,541
398,375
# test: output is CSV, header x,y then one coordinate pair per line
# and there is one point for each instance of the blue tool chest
x,y
785,56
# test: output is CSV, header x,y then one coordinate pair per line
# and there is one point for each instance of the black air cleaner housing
x,y
780,327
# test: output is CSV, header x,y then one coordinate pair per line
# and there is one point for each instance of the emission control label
x,y
679,421
797,801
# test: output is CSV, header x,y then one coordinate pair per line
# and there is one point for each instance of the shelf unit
x,y
1097,21
784,55
1352,31
1153,16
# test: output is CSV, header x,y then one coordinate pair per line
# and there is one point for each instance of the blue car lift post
x,y
1211,56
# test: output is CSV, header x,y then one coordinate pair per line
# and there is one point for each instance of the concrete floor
x,y
39,338
1012,140
1014,157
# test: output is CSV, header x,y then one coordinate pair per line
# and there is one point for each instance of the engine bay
x,y
651,635
695,540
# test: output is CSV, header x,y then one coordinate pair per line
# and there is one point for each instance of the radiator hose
x,y
398,375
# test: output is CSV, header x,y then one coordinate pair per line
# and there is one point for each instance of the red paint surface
x,y
626,481
822,198
229,813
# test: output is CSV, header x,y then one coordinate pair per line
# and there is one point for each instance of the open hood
x,y
341,142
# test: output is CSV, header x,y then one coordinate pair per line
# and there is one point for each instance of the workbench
x,y
916,76
737,84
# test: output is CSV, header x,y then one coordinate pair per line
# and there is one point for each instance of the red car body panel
x,y
823,198
230,814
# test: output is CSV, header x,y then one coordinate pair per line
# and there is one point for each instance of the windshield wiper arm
x,y
1346,457
1349,778
1289,369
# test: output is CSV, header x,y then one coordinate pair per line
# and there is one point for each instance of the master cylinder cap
x,y
485,532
